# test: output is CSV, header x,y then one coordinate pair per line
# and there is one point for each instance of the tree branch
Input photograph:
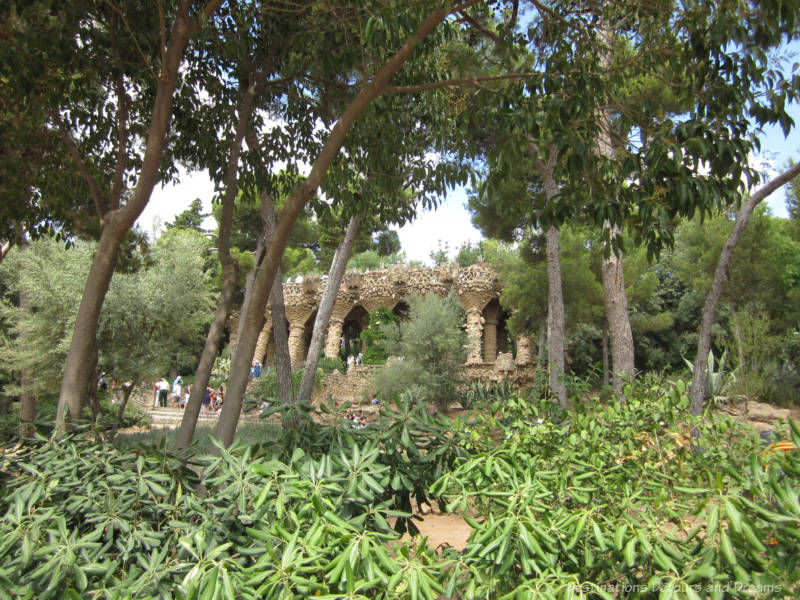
x,y
474,81
72,148
552,13
122,144
479,27
143,56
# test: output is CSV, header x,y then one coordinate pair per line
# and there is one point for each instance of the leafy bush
x,y
606,501
372,338
431,346
329,364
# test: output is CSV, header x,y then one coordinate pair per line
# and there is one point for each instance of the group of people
x,y
212,399
357,417
161,391
355,360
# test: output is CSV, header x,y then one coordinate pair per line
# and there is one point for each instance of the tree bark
x,y
619,324
555,319
280,335
77,368
127,389
230,275
712,300
555,295
335,276
613,274
226,427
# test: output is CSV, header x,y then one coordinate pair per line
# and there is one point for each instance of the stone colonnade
x,y
476,286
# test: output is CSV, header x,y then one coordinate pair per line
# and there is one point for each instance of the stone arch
x,y
353,324
401,309
496,337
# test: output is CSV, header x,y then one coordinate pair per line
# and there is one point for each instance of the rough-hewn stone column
x,y
263,341
490,338
334,337
474,331
524,351
297,350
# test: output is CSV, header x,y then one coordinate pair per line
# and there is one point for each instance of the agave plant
x,y
717,382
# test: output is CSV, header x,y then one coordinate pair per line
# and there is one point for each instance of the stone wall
x,y
355,385
476,286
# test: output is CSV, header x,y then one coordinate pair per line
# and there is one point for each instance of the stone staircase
x,y
171,418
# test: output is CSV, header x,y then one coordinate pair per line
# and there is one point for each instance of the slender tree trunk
x,y
127,390
226,427
115,224
209,354
230,275
335,276
555,318
712,300
541,350
619,324
555,296
280,335
613,274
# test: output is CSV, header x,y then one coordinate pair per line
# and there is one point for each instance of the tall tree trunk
x,y
115,224
230,274
619,324
555,296
613,274
555,319
280,336
712,300
127,389
226,427
335,276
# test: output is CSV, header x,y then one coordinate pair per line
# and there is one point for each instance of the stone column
x,y
334,337
524,351
490,339
474,331
263,340
297,351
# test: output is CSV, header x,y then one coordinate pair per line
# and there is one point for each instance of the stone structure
x,y
489,348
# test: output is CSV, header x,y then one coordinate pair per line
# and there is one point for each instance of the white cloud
x,y
172,199
450,223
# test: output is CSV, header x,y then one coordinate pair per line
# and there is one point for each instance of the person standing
x,y
176,391
163,392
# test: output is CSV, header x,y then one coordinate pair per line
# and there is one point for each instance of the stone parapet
x,y
356,385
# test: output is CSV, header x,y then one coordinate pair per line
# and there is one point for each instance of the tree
x,y
428,21
431,346
710,306
151,323
116,218
191,218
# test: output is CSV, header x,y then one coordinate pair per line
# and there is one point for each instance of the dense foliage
x,y
429,348
599,502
